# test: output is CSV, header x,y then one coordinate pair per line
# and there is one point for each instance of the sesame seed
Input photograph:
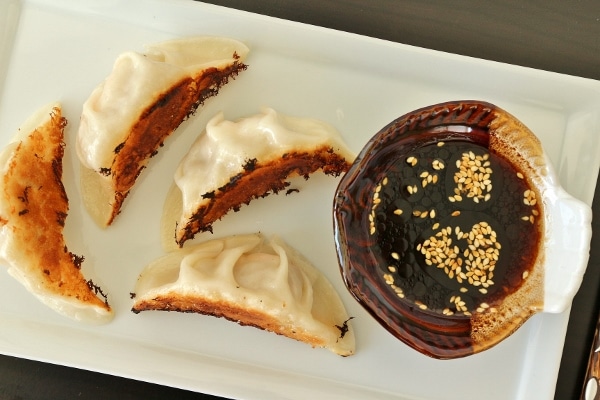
x,y
398,211
440,144
395,256
438,164
389,279
520,175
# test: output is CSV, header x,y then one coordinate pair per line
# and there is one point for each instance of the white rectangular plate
x,y
60,50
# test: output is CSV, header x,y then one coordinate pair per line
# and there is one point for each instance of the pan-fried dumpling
x,y
144,99
33,210
251,281
233,162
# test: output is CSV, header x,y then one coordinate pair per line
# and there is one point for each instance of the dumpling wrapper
x,y
33,210
143,100
233,162
253,282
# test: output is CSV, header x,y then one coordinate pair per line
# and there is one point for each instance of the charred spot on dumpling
x,y
344,328
97,290
209,195
77,260
232,182
217,78
119,148
25,196
250,165
61,217
105,171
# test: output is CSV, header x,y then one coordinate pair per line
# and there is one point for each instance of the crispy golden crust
x,y
259,180
232,312
38,207
157,122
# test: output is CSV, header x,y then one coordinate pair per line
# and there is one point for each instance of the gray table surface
x,y
554,35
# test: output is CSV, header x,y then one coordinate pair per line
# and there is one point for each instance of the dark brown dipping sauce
x,y
455,227
434,229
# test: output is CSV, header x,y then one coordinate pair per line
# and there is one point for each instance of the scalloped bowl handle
x,y
568,237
